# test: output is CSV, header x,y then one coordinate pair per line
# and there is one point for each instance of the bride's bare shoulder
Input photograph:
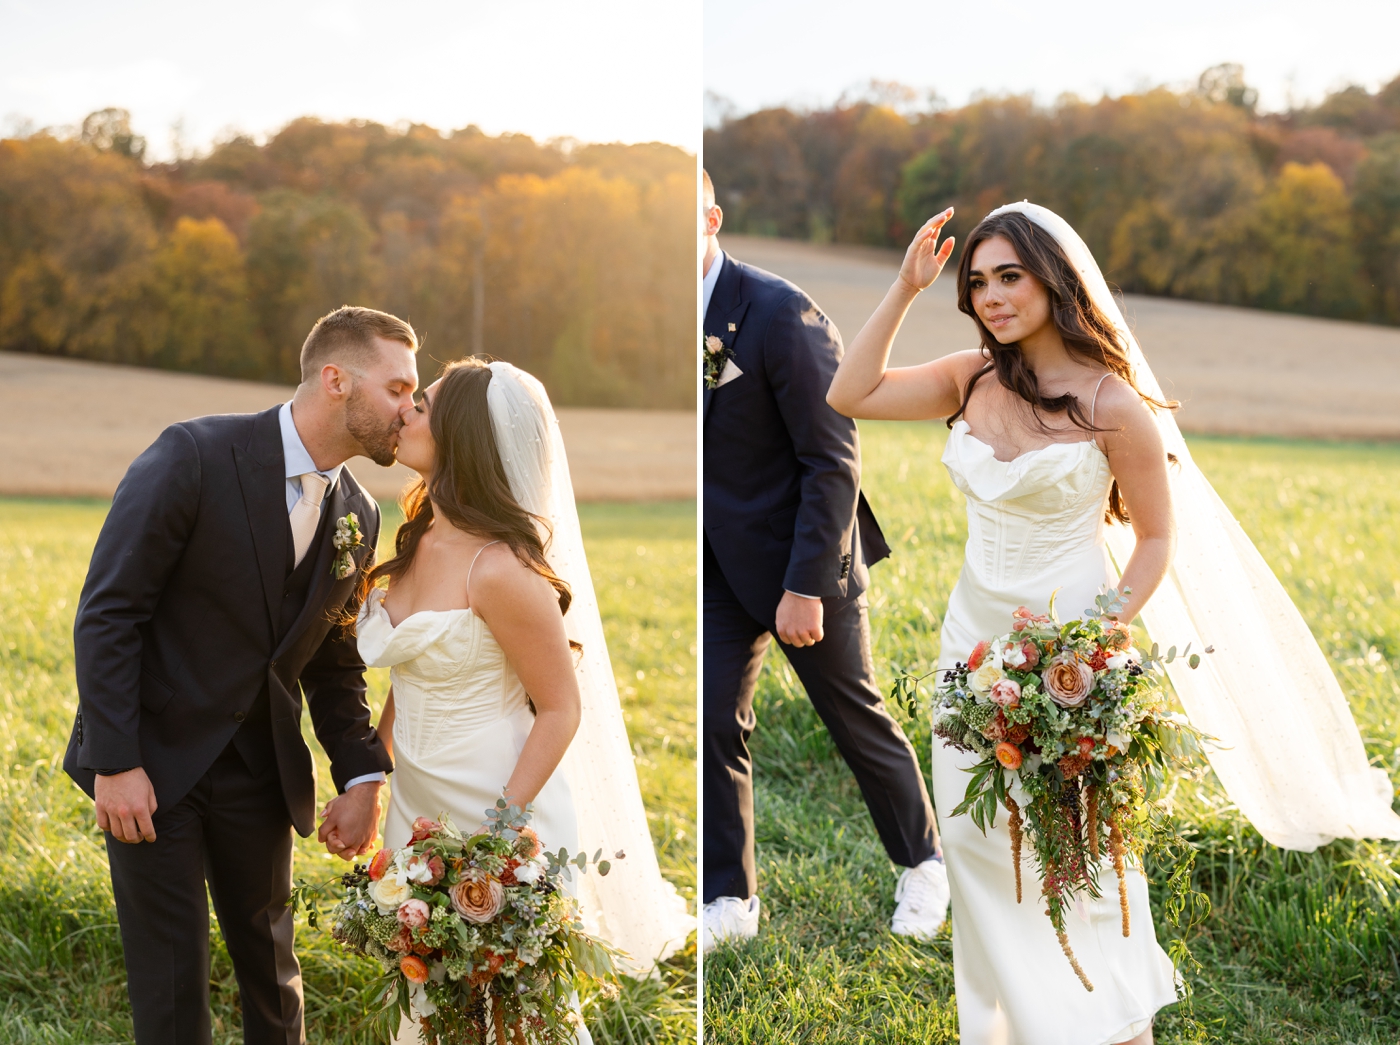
x,y
1119,408
498,574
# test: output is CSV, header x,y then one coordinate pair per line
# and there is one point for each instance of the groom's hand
x,y
351,821
125,803
799,620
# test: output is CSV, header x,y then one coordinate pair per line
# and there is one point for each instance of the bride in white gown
x,y
1049,434
488,592
1060,442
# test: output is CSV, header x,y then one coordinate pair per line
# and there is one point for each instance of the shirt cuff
x,y
368,778
801,596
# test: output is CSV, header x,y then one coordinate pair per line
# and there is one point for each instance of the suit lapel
x,y
725,314
260,476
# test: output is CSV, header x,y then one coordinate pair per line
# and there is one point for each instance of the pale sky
x,y
600,71
768,52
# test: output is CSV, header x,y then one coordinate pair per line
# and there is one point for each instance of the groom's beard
x,y
375,438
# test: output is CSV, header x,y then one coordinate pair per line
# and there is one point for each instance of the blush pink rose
x,y
414,914
423,828
478,901
1068,680
1006,692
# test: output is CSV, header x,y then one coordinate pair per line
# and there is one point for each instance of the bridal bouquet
x,y
1072,727
477,938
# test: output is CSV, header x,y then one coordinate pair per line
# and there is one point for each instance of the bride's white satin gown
x,y
461,717
1035,524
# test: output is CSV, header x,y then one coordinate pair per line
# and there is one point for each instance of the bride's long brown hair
x,y
1082,326
469,486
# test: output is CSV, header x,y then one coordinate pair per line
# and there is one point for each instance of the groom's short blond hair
x,y
347,335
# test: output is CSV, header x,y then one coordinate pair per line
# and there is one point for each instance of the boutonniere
x,y
714,353
347,538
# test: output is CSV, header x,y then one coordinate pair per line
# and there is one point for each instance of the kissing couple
x,y
235,574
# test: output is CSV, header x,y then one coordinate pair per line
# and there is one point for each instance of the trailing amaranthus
x,y
1013,827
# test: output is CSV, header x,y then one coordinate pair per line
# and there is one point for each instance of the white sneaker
x,y
729,918
922,900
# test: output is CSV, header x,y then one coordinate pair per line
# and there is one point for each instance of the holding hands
x,y
349,823
925,258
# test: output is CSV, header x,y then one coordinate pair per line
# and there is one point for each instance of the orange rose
x,y
478,901
1009,755
414,968
380,864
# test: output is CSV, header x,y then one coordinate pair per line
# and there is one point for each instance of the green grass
x,y
1299,948
61,975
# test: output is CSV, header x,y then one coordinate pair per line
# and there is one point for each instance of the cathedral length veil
x,y
1290,755
634,907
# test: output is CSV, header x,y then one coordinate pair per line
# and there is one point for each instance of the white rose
x,y
529,872
985,677
390,893
1118,740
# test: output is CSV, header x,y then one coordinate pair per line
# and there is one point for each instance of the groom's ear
x,y
336,381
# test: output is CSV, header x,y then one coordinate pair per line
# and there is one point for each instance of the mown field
x,y
61,975
1299,948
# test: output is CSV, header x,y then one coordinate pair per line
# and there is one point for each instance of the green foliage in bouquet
x,y
1072,727
477,938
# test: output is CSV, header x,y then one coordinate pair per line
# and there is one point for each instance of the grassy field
x,y
1300,948
61,975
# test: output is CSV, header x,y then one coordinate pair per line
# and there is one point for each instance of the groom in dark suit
x,y
207,614
788,537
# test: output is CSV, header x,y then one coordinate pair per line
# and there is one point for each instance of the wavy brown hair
x,y
469,486
1082,326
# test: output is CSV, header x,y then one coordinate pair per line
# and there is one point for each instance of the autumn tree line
x,y
1191,194
576,262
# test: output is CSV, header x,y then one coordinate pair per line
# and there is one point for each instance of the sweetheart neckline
x,y
416,613
967,428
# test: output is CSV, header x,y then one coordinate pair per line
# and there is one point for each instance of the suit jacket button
x,y
238,716
273,665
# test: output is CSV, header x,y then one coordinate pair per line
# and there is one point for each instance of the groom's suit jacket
x,y
783,507
193,625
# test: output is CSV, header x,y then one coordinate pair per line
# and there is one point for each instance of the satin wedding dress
x,y
1035,524
461,718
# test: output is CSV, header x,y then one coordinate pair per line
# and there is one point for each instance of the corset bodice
x,y
450,676
1029,514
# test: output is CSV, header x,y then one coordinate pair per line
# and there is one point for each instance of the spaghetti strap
x,y
1092,402
468,585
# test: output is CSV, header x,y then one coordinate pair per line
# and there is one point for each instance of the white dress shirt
x,y
299,462
707,285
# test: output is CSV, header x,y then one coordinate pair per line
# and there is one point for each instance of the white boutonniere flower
x,y
347,538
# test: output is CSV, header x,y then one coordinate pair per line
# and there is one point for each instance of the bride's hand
x,y
924,259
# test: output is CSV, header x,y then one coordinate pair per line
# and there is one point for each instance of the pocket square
x,y
728,374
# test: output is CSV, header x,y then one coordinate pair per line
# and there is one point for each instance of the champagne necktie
x,y
306,513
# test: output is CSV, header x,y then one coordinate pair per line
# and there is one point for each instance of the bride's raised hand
x,y
925,258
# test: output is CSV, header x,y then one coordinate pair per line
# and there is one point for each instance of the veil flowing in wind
x,y
634,907
1290,754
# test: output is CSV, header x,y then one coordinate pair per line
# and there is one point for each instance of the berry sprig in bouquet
x,y
1074,734
476,935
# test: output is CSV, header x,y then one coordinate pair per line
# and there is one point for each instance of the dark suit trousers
x,y
838,675
233,831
